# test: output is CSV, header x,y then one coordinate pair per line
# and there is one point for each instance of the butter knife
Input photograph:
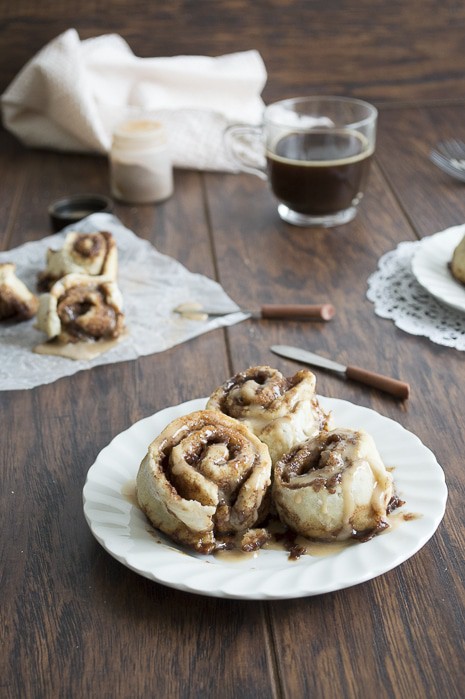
x,y
396,388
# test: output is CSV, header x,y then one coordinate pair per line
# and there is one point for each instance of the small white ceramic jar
x,y
141,171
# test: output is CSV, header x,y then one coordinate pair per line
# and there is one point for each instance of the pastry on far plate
x,y
17,303
333,487
281,411
81,308
205,479
94,254
457,264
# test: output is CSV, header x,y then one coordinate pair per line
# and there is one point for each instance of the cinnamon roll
x,y
457,264
94,254
281,411
205,478
333,486
16,301
81,307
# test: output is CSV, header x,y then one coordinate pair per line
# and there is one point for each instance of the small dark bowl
x,y
71,210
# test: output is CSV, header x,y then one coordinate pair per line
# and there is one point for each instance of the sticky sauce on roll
x,y
280,411
333,486
80,309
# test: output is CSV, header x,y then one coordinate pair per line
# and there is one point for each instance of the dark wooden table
x,y
76,623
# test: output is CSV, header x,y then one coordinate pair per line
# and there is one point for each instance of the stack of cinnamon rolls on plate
x,y
263,448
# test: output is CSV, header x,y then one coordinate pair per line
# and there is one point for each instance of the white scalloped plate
x,y
430,267
126,534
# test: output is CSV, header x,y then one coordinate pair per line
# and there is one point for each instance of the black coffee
x,y
319,172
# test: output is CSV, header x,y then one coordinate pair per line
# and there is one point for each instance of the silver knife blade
x,y
395,387
301,355
217,311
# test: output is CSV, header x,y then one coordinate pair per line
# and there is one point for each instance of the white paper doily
x,y
397,295
152,285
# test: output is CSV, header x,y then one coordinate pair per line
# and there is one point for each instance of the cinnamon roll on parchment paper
x,y
94,254
333,487
281,411
204,479
17,302
80,307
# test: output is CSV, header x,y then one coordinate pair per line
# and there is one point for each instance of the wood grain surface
x,y
76,623
383,51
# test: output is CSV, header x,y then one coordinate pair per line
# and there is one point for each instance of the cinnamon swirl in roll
x,y
17,303
94,254
281,411
205,478
333,487
81,308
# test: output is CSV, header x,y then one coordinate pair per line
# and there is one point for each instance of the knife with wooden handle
x,y
290,311
323,311
396,388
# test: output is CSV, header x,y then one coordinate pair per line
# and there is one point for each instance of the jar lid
x,y
72,209
139,132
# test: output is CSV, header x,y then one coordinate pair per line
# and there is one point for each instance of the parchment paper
x,y
152,285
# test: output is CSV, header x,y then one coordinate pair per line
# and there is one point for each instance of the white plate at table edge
x,y
430,267
123,530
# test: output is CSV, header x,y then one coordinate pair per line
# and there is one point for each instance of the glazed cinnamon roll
x,y
80,307
281,411
205,478
16,301
94,254
457,264
333,486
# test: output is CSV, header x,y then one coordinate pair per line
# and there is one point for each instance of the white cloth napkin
x,y
70,95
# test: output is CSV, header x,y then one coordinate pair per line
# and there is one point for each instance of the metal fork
x,y
449,156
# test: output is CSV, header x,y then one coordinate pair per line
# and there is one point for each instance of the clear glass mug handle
x,y
244,147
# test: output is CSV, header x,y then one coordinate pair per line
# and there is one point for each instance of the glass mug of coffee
x,y
317,153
